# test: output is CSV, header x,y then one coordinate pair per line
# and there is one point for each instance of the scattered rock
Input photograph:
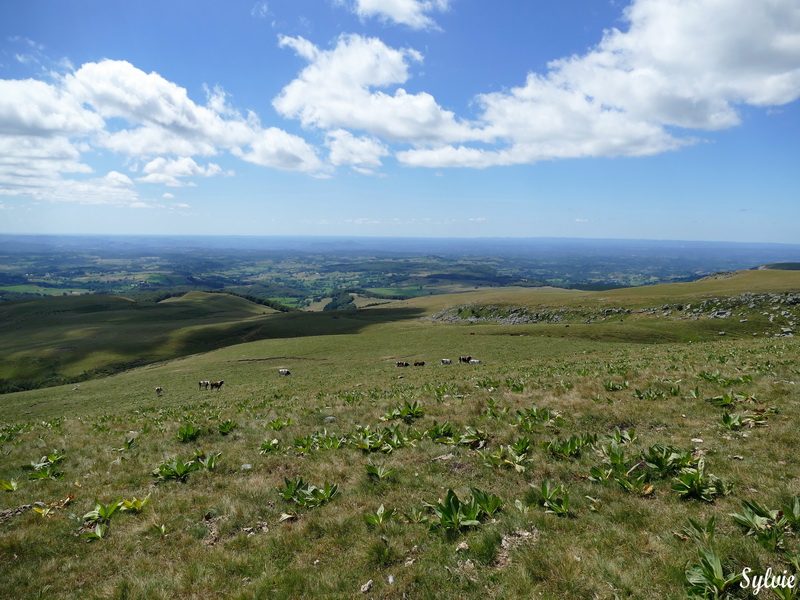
x,y
720,314
443,457
462,547
509,541
8,513
366,587
212,523
260,527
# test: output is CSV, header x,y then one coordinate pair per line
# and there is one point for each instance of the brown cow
x,y
217,385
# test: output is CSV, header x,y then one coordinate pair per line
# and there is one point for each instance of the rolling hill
x,y
601,455
69,339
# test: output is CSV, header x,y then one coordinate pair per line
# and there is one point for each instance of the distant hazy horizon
x,y
472,245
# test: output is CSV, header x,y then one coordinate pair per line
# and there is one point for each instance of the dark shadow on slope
x,y
56,341
289,325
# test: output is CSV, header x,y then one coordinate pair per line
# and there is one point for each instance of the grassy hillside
x,y
723,285
70,338
572,435
785,266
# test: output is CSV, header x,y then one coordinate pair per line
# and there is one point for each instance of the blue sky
x,y
650,119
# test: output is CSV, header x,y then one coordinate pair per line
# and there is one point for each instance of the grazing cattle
x,y
159,390
464,359
419,363
401,363
217,385
446,361
284,372
474,361
204,384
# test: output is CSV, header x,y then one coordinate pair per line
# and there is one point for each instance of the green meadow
x,y
633,443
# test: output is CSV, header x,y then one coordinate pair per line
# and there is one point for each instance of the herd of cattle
x,y
445,361
217,385
214,385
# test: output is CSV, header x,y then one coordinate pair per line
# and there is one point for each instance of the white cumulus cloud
x,y
162,118
680,64
47,129
168,172
413,13
274,147
362,153
338,89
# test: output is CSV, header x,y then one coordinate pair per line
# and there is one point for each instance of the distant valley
x,y
307,272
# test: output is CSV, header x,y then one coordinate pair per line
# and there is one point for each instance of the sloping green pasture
x,y
47,341
618,526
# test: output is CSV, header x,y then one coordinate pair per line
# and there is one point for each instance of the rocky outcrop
x,y
781,309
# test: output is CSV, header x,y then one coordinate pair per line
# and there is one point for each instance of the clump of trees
x,y
341,300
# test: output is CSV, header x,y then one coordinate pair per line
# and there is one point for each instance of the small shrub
x,y
9,485
176,469
416,515
227,426
453,515
379,472
707,578
408,412
135,505
695,483
270,447
553,497
278,424
701,532
380,516
102,513
307,495
611,386
188,433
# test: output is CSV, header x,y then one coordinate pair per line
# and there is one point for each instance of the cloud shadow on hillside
x,y
289,325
